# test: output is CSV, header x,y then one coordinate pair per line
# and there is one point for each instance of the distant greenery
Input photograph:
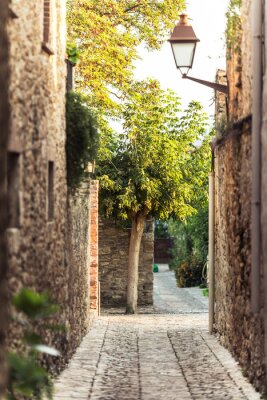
x,y
205,292
161,229
27,378
156,169
82,138
190,250
73,53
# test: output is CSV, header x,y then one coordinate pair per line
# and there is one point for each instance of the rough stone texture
x,y
79,213
113,264
238,329
162,250
239,68
246,44
4,123
48,246
37,96
221,105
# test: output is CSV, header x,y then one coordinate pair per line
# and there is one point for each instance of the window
x,y
13,189
50,190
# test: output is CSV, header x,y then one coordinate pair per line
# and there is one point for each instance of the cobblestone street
x,y
161,353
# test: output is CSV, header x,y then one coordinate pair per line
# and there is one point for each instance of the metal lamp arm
x,y
216,86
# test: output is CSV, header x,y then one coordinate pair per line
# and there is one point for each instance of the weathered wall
x,y
94,247
78,259
4,123
49,231
239,68
162,250
113,264
238,329
37,95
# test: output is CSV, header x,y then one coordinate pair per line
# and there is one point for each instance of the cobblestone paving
x,y
153,355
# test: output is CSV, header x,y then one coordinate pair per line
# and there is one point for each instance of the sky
x,y
208,20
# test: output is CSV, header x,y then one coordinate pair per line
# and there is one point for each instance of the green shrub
x,y
189,273
82,138
27,378
190,240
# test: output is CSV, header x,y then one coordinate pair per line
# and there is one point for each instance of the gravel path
x,y
162,353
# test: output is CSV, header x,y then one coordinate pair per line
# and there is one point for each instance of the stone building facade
x,y
239,328
4,123
48,227
113,264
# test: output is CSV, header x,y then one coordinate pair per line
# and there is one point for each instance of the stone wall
x,y
241,331
78,259
36,170
239,68
238,329
113,264
162,250
4,123
48,233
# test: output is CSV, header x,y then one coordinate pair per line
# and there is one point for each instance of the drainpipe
x,y
257,14
211,252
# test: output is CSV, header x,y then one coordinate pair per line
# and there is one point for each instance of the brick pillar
x,y
93,245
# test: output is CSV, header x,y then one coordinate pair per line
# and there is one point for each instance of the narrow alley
x,y
164,352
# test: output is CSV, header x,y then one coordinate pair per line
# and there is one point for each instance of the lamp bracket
x,y
213,85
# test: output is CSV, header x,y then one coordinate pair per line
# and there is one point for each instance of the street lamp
x,y
183,42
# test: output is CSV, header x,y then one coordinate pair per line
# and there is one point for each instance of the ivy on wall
x,y
233,26
82,138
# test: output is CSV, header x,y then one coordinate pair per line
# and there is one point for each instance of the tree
x,y
82,138
108,33
145,173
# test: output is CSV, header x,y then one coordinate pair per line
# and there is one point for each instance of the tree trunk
x,y
4,124
138,223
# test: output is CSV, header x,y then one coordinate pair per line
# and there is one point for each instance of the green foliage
x,y
234,26
27,377
73,53
161,229
108,33
190,245
82,138
34,305
150,170
189,273
205,292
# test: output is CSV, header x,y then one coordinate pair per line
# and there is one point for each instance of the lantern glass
x,y
183,54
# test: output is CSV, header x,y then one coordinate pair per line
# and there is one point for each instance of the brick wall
x,y
113,264
94,247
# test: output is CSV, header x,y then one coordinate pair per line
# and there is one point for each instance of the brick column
x,y
93,245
